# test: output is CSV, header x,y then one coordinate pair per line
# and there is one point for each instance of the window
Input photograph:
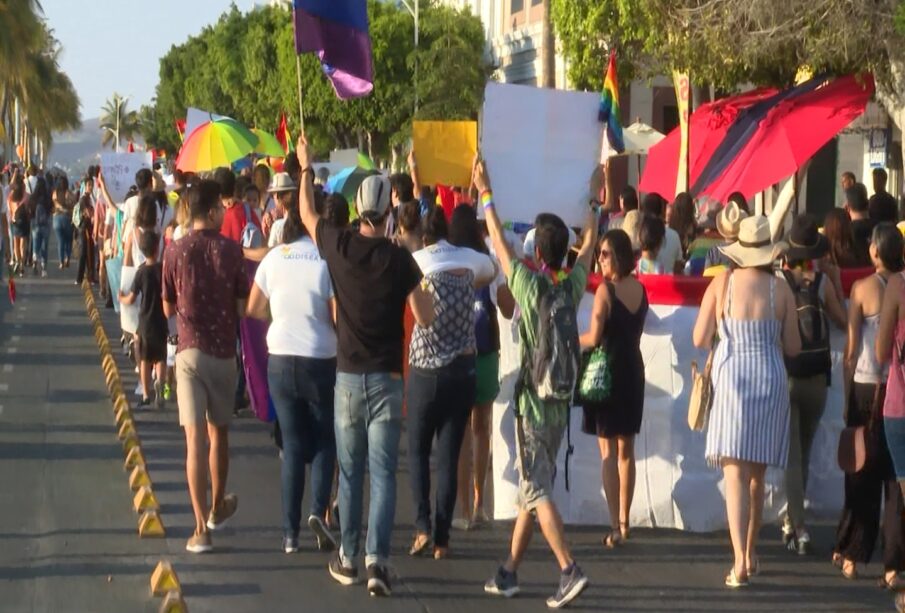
x,y
536,2
670,118
516,6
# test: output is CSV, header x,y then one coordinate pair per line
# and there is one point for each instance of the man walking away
x,y
542,403
373,279
205,286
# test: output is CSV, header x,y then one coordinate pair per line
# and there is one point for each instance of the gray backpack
x,y
555,362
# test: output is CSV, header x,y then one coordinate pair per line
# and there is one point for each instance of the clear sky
x,y
116,45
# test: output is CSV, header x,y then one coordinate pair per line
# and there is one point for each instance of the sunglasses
x,y
604,253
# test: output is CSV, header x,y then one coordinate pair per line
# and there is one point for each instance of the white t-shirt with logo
x,y
442,256
295,279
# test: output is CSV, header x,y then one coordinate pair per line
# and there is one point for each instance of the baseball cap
x,y
373,197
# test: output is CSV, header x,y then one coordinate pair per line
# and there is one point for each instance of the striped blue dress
x,y
749,419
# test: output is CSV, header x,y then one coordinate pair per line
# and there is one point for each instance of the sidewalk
x,y
67,522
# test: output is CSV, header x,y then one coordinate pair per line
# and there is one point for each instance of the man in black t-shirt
x,y
882,206
862,224
373,279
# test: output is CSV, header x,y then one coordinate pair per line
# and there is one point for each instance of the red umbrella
x,y
708,126
791,133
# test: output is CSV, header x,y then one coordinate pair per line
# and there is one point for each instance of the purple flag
x,y
337,31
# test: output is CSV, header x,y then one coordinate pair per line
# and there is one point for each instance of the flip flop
x,y
896,585
850,571
420,545
733,582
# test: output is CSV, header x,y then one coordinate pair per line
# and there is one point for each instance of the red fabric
x,y
447,200
707,128
791,133
131,147
12,290
234,222
283,133
180,127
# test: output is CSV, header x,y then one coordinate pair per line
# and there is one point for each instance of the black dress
x,y
620,414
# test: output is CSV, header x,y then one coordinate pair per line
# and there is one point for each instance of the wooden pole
x,y
298,76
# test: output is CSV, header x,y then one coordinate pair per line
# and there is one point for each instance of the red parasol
x,y
791,133
708,126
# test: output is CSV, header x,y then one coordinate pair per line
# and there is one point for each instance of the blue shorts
x,y
895,440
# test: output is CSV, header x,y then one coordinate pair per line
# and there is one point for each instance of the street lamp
x,y
412,6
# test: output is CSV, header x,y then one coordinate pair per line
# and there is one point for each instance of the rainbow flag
x,y
609,107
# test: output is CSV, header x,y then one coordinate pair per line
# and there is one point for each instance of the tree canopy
x,y
244,66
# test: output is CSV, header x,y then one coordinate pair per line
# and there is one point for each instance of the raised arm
x,y
306,190
413,170
494,227
102,185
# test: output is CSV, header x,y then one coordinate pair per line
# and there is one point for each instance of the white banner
x,y
675,488
540,146
119,171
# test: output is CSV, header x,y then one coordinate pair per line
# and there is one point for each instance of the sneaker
x,y
200,543
342,574
571,584
221,514
378,581
804,544
290,544
144,405
460,523
167,391
325,540
503,584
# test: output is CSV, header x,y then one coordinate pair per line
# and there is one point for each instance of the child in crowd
x,y
651,236
152,324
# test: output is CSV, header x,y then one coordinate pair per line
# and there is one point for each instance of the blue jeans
x,y
62,227
40,237
302,392
439,404
368,425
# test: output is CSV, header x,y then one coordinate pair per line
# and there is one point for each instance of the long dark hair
x,y
464,230
683,220
837,227
293,228
40,196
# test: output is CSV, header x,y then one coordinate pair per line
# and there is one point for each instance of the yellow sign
x,y
445,151
683,97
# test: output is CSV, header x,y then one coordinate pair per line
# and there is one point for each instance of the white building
x,y
515,42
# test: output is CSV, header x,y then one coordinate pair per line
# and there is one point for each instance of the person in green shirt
x,y
540,424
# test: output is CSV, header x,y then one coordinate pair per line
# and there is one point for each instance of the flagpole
x,y
298,76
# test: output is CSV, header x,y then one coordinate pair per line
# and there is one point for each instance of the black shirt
x,y
883,207
372,279
861,232
148,284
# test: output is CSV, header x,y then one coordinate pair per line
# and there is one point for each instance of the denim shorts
x,y
537,450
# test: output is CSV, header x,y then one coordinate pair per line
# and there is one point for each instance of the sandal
x,y
612,540
754,569
733,581
441,553
893,585
849,570
838,559
420,545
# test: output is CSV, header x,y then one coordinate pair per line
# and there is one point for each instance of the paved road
x,y
68,542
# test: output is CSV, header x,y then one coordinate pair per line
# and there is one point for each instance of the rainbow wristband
x,y
487,200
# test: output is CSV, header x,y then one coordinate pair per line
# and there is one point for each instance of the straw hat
x,y
729,219
631,225
754,246
281,182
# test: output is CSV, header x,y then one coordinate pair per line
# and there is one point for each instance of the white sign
x,y
119,171
878,144
541,147
344,158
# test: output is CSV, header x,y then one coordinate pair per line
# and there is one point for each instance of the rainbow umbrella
x,y
219,142
268,144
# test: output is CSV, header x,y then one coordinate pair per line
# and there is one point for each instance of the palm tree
x,y
118,122
20,35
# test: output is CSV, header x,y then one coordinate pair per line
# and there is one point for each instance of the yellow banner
x,y
683,97
445,151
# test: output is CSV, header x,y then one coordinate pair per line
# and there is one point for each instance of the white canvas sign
x,y
119,171
541,147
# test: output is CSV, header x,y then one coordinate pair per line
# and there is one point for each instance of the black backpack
x,y
553,370
814,328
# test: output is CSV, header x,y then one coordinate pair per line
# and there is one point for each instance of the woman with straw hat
x,y
749,421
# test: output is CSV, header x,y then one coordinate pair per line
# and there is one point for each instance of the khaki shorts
x,y
205,388
537,449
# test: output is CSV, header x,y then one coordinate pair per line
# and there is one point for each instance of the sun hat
x,y
373,196
281,182
729,219
754,246
805,240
